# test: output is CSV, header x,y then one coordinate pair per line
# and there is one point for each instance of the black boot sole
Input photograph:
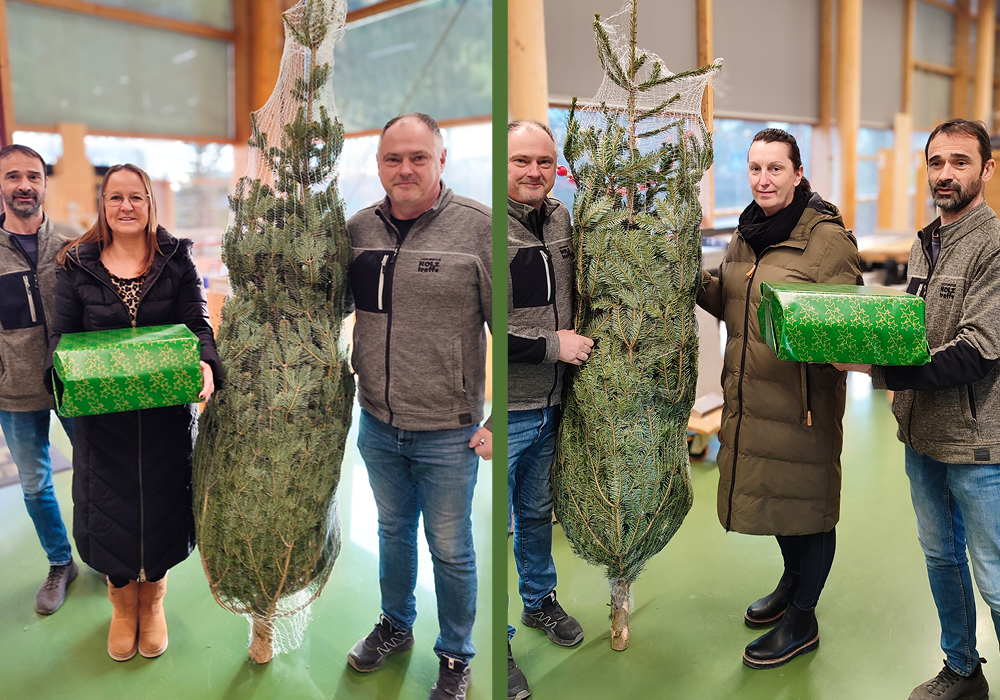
x,y
809,646
360,668
550,633
755,624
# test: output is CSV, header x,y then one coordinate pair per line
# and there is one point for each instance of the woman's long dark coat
x,y
132,513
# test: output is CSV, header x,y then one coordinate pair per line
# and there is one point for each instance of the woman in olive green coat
x,y
781,437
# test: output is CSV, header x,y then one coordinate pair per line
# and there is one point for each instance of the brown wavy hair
x,y
101,234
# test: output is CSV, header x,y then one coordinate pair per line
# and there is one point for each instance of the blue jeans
x,y
958,504
27,436
433,472
531,449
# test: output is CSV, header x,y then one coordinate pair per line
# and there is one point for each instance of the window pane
x,y
192,183
47,145
211,12
141,80
871,141
931,99
973,40
731,141
467,170
415,60
358,4
866,184
865,218
934,36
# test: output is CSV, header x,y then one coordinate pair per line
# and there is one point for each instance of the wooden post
x,y
242,70
960,83
822,160
908,38
705,51
267,32
527,67
848,101
982,102
921,211
887,177
76,178
6,92
902,128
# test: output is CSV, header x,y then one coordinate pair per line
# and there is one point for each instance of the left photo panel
x,y
246,323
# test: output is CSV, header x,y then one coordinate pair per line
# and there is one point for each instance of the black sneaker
x,y
560,626
948,685
384,641
453,680
53,592
517,684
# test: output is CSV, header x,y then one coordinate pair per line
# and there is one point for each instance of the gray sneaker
x,y
948,685
53,592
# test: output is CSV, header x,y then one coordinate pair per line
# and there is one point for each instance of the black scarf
x,y
761,231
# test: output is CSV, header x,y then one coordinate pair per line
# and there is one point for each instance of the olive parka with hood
x,y
782,433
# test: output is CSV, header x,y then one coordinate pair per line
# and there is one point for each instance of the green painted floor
x,y
878,626
65,655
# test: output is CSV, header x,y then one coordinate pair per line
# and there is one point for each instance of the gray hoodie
x,y
420,338
25,292
949,409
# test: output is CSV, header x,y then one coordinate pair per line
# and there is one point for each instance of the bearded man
x,y
28,250
949,409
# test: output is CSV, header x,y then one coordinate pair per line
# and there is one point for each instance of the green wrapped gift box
x,y
843,323
126,369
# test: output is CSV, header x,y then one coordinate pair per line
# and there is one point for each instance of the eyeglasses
x,y
116,200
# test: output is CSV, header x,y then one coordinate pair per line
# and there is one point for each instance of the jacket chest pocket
x,y
371,281
20,301
532,277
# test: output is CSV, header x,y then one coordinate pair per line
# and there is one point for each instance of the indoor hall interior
x,y
45,657
860,86
879,630
170,87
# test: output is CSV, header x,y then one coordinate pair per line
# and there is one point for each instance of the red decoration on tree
x,y
561,171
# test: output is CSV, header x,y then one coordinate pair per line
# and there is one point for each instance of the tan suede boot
x,y
152,620
124,621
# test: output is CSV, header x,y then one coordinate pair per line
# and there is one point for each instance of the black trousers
x,y
810,557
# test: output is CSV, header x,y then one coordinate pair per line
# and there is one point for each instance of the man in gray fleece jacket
x,y
28,247
540,343
420,278
949,409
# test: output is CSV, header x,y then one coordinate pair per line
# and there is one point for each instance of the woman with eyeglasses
x,y
132,513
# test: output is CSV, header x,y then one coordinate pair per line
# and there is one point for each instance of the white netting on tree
x,y
270,447
282,107
671,101
621,477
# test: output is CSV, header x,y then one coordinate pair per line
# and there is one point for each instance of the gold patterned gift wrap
x,y
842,323
127,369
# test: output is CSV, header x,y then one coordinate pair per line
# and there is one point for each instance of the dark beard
x,y
960,199
19,209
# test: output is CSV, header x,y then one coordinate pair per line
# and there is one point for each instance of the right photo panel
x,y
753,395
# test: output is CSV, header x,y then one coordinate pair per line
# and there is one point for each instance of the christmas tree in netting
x,y
268,456
637,152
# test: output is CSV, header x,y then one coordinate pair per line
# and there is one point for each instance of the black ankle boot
x,y
797,633
769,609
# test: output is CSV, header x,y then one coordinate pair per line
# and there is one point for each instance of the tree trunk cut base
x,y
620,603
262,642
